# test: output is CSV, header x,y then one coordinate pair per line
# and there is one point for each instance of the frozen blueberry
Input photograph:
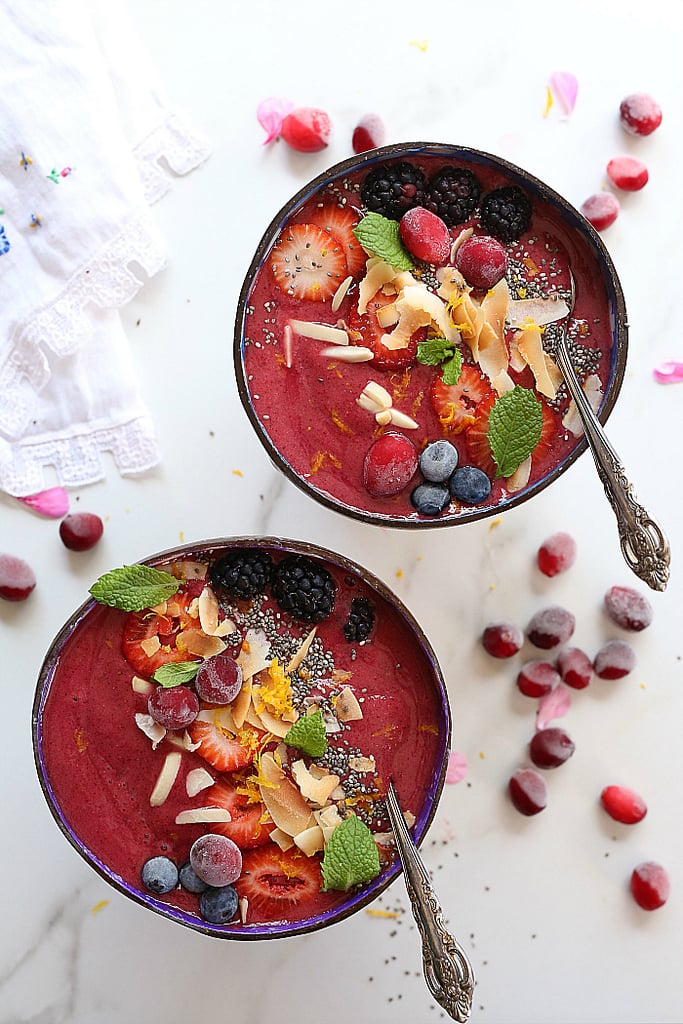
x,y
430,499
218,906
159,874
190,880
437,461
470,485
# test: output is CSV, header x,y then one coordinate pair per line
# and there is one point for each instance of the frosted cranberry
x,y
218,680
502,639
537,678
482,261
368,133
615,659
575,667
623,804
389,465
556,554
640,114
528,791
425,235
601,210
628,609
650,885
174,707
81,531
550,627
627,173
216,859
549,748
17,579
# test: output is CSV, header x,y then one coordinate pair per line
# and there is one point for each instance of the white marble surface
x,y
541,904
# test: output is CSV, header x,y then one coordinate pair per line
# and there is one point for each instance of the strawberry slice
x,y
221,749
246,828
272,880
477,442
456,404
340,221
371,331
308,262
146,625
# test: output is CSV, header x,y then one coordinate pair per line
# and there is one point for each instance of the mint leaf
x,y
434,351
134,587
452,369
308,734
380,236
350,857
176,673
515,424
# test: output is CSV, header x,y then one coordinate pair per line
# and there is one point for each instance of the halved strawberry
x,y
456,404
223,750
477,441
146,625
368,326
273,880
246,828
340,222
307,262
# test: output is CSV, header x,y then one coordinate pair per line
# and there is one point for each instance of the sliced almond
x,y
311,840
202,815
167,777
241,704
288,345
340,293
347,707
151,645
244,909
282,798
317,791
198,779
520,478
284,841
151,729
301,653
320,332
387,315
399,419
208,611
144,686
384,417
352,354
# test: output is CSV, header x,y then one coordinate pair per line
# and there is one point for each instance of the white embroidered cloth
x,y
83,126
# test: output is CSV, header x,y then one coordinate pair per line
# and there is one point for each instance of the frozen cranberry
x,y
389,465
482,261
368,133
601,210
528,791
556,554
650,885
623,804
81,531
537,678
615,659
425,235
17,578
627,173
502,639
575,667
216,859
550,627
218,680
628,608
174,707
640,114
549,748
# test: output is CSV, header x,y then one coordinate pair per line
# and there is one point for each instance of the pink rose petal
x,y
554,705
271,113
565,86
457,767
54,502
669,372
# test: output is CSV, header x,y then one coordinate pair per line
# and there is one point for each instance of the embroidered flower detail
x,y
36,222
66,171
4,241
53,175
25,161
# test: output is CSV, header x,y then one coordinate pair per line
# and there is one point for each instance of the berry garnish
x,y
528,791
502,639
273,881
242,573
340,221
575,667
614,660
550,627
306,129
369,133
627,173
216,859
392,189
469,485
304,589
190,880
430,499
650,885
640,114
628,608
17,578
506,213
361,620
456,404
390,464
425,236
372,334
600,210
482,261
81,531
218,680
307,262
218,906
623,804
159,875
556,554
174,708
549,748
144,626
453,194
245,827
221,749
438,460
536,678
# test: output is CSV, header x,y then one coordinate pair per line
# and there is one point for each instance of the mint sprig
x,y
440,351
381,237
515,425
350,857
134,587
308,734
176,673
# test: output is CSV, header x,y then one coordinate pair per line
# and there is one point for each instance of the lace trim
x,y
178,145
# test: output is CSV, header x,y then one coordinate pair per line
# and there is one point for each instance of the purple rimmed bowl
x,y
97,769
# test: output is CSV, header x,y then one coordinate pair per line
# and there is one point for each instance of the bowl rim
x,y
451,151
352,904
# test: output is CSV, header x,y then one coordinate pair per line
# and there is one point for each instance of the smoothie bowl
x,y
396,331
215,734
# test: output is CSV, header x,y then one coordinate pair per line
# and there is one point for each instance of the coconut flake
x,y
284,841
283,799
565,85
303,650
311,840
270,114
207,607
520,478
199,643
151,729
167,777
197,780
592,388
538,311
457,767
347,707
362,764
53,502
202,815
150,645
317,791
255,653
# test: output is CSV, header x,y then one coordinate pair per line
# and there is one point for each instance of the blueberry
x,y
430,499
438,460
190,880
218,906
470,485
159,875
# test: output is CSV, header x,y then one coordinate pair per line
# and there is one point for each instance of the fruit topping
x,y
550,627
306,129
245,827
216,859
453,194
614,660
308,262
628,608
575,667
528,791
425,236
482,261
477,437
219,679
392,189
223,749
17,579
273,880
627,173
304,589
159,875
389,465
150,638
174,708
650,885
81,531
361,620
242,573
340,221
218,906
640,114
430,499
536,678
502,639
469,485
438,460
556,554
456,404
549,748
373,335
623,804
601,210
190,880
369,133
506,213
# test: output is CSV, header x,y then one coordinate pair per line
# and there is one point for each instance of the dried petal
x,y
54,502
457,767
271,113
554,705
565,85
669,372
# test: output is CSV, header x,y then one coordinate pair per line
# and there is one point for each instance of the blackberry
x,y
393,189
242,573
304,589
453,194
506,213
361,620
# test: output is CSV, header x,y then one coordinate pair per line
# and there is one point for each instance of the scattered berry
x,y
575,667
430,499
482,261
17,578
601,210
174,707
242,573
623,804
453,194
425,236
502,639
528,791
506,213
614,660
556,554
550,627
390,464
628,608
549,748
190,880
650,885
159,875
536,678
81,531
218,680
306,129
216,859
218,906
640,114
627,173
369,133
392,189
470,485
304,589
361,620
307,262
438,460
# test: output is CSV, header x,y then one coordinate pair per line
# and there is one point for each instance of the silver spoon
x,y
447,970
643,542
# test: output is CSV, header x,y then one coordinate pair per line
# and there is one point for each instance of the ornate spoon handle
x,y
643,542
447,970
